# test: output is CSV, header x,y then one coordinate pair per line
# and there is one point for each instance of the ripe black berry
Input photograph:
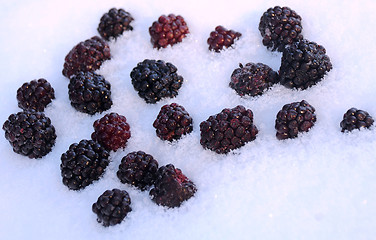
x,y
356,119
114,23
35,95
222,38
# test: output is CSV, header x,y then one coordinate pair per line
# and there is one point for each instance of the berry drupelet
x,y
355,119
138,169
168,30
294,118
253,79
112,207
83,163
35,95
114,23
222,38
228,130
89,93
111,131
280,26
172,122
171,187
87,56
155,79
30,133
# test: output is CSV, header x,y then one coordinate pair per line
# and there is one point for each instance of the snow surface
x,y
318,186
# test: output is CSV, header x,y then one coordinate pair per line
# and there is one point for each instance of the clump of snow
x,y
318,186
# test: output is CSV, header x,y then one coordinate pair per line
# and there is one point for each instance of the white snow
x,y
321,185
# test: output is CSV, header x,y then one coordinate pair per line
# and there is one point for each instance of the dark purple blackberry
x,y
280,26
30,133
86,56
155,79
171,187
114,23
138,169
172,122
253,79
228,130
222,38
112,207
83,163
294,118
35,95
111,131
89,93
303,65
168,30
356,119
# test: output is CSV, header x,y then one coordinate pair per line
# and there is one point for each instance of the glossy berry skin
x,y
303,64
171,187
228,130
222,38
114,23
280,27
83,163
355,119
89,93
30,133
35,95
86,56
111,131
138,169
155,80
253,79
168,30
294,118
112,207
172,122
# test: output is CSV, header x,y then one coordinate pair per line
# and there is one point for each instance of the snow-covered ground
x,y
321,185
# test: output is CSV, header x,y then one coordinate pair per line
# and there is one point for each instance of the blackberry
x,y
222,38
155,79
111,131
30,133
35,95
112,207
253,79
171,187
172,122
228,130
138,169
294,118
89,93
114,23
303,65
280,26
168,30
356,119
83,163
86,56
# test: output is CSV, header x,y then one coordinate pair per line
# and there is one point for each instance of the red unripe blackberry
x,y
279,27
294,118
111,131
222,38
35,95
138,169
168,30
112,207
87,56
356,119
171,187
83,163
172,122
30,133
253,79
228,130
114,23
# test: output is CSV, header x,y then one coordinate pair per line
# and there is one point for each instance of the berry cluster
x,y
222,38
114,23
